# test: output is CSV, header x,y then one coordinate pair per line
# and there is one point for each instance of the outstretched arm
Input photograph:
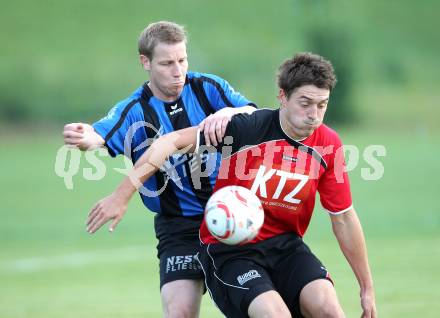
x,y
349,234
113,207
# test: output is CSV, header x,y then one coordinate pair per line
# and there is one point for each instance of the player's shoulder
x,y
259,115
128,104
259,118
206,77
251,129
133,98
327,135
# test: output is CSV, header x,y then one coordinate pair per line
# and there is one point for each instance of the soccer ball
x,y
234,215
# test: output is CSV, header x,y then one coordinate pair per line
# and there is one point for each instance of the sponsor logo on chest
x,y
175,110
265,175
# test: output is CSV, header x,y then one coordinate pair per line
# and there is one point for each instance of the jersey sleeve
x,y
221,94
334,184
114,127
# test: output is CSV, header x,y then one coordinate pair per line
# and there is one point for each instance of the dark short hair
x,y
305,69
162,31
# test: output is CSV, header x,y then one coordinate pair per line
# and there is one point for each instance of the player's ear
x,y
282,97
145,62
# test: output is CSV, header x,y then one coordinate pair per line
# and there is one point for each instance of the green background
x,y
65,61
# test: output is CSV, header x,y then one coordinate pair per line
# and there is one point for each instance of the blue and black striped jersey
x,y
133,124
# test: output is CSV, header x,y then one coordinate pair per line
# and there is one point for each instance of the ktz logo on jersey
x,y
242,279
182,262
264,176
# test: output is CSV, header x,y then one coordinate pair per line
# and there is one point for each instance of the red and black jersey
x,y
284,173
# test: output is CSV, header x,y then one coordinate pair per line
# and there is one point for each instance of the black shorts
x,y
177,248
235,275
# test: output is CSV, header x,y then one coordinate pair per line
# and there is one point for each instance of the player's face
x,y
167,69
303,111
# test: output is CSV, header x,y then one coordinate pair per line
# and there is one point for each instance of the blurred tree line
x,y
71,61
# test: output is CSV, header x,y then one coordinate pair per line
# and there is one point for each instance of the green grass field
x,y
70,61
50,267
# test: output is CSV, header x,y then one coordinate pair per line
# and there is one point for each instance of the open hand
x,y
112,208
214,126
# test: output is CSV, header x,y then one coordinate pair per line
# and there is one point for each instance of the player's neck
x,y
159,95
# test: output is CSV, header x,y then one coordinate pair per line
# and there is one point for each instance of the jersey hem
x,y
339,212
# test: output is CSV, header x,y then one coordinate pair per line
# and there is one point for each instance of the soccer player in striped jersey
x,y
172,99
284,156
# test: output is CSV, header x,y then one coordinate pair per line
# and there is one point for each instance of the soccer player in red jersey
x,y
284,156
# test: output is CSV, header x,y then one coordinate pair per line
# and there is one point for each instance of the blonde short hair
x,y
160,32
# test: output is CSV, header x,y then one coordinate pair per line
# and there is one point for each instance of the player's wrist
x,y
367,290
125,190
91,140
